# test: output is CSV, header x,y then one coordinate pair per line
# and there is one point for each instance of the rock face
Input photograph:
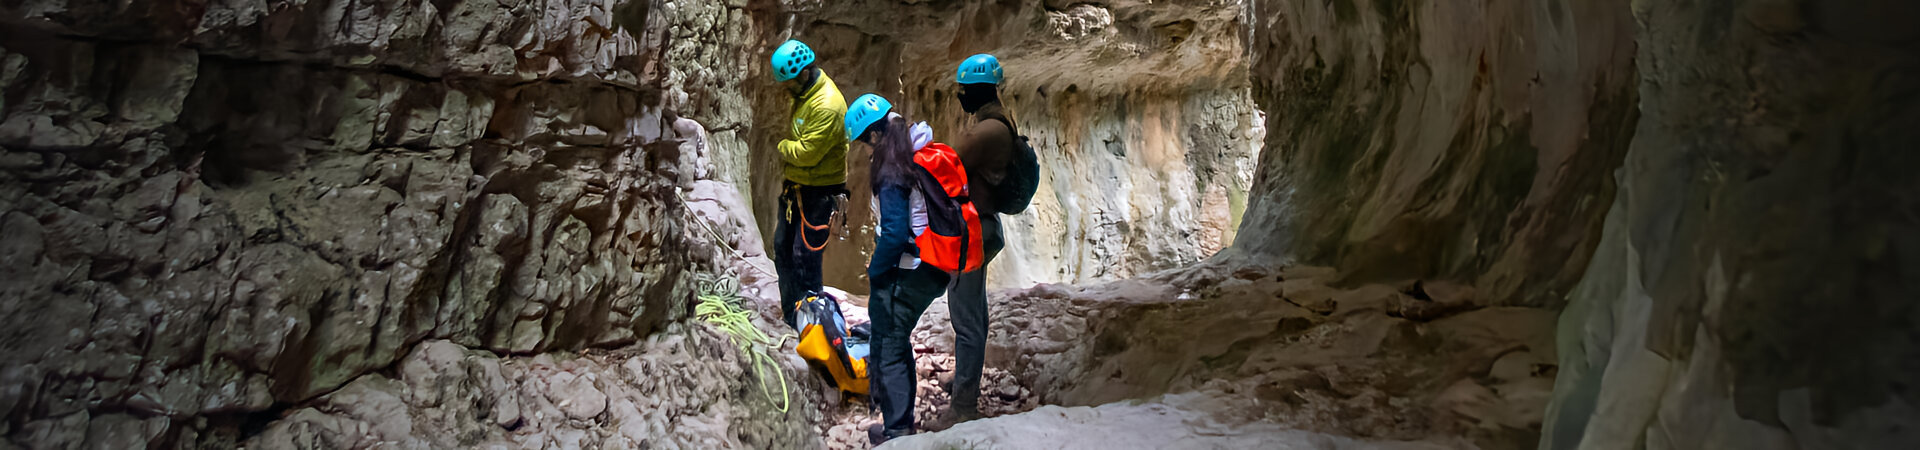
x,y
708,79
1468,141
1753,286
1716,192
215,210
1139,110
674,390
477,224
1234,351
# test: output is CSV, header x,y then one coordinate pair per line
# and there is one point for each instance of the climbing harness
x,y
798,204
720,305
839,219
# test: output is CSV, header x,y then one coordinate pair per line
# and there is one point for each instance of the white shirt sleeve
x,y
917,203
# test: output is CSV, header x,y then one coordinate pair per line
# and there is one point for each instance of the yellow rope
x,y
718,307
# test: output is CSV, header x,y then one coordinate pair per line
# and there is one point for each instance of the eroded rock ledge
x,y
214,210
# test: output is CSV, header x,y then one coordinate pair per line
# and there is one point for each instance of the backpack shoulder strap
x,y
942,163
996,115
923,181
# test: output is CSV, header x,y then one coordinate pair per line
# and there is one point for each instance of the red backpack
x,y
951,241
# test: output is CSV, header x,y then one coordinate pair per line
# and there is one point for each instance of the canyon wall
x,y
1754,284
1467,141
1719,195
213,211
337,223
1139,111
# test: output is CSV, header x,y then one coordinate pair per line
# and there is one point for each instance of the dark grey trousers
x,y
967,307
895,305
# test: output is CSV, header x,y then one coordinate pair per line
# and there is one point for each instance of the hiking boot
x,y
961,415
950,417
879,435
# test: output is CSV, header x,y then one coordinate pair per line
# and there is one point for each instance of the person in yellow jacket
x,y
815,165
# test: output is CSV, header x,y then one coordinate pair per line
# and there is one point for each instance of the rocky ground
x,y
1229,355
447,396
1002,393
1220,355
1177,421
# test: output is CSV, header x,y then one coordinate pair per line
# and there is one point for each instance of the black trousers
x,y
967,306
895,305
799,238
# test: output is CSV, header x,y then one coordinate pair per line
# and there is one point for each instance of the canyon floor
x,y
1221,355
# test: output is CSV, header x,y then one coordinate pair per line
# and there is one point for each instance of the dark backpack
x,y
1015,190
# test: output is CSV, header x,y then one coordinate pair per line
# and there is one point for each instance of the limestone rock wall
x,y
1133,182
1139,110
1717,193
709,61
1463,140
212,210
1753,286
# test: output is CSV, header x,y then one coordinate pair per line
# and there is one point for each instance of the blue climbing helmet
x,y
789,59
981,68
864,112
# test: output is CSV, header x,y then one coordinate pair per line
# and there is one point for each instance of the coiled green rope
x,y
720,305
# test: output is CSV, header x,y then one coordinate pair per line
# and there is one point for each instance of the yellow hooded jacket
x,y
817,153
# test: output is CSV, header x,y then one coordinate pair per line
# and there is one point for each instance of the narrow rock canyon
x,y
1342,224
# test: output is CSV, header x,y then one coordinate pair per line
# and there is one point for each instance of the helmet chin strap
x,y
808,76
801,83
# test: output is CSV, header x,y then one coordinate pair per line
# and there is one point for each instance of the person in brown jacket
x,y
985,147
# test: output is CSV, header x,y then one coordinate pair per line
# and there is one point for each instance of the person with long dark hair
x,y
902,284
